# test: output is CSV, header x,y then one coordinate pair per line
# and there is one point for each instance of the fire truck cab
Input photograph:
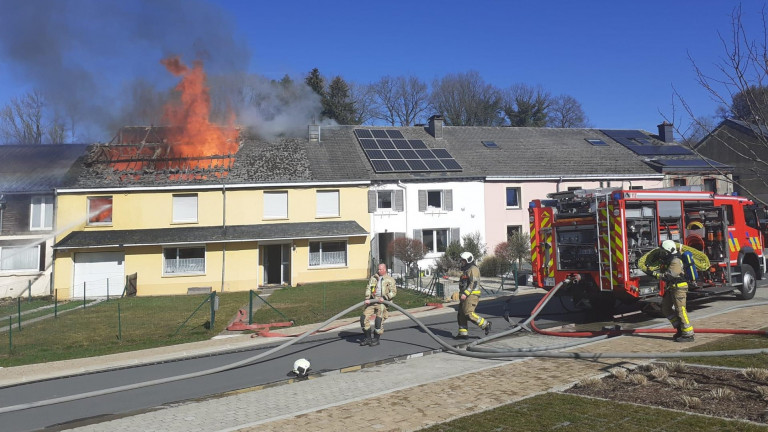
x,y
600,234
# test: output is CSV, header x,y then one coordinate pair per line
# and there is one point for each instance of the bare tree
x,y
400,100
464,99
364,101
27,120
516,249
527,106
739,87
566,112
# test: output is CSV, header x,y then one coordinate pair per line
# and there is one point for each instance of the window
x,y
41,213
513,197
100,210
710,185
679,182
15,258
186,260
384,200
435,200
275,205
185,208
327,253
327,203
436,240
513,229
635,187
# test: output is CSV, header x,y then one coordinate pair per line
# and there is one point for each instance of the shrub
x,y
494,266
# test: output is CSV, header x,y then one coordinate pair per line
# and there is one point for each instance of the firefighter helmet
x,y
301,367
467,256
669,246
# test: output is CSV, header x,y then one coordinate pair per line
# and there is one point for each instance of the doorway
x,y
277,264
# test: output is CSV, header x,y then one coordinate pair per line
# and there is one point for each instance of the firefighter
x,y
380,287
671,271
469,291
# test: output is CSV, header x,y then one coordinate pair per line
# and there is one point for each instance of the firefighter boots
x,y
487,328
685,338
375,340
367,340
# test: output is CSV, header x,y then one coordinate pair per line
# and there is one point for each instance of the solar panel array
x,y
690,163
639,143
389,151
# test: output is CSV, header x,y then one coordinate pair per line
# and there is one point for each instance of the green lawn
x,y
315,303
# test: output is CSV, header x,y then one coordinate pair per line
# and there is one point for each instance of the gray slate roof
x,y
524,152
213,234
36,168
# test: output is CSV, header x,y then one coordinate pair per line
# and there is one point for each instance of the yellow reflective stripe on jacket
x,y
468,292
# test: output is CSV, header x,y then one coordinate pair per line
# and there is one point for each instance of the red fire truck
x,y
600,234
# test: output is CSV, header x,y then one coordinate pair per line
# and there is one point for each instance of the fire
x,y
191,133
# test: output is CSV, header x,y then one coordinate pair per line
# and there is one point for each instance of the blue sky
x,y
620,59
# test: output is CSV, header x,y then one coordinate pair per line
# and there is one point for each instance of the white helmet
x,y
301,367
669,246
467,256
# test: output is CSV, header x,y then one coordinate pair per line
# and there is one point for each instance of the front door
x,y
277,264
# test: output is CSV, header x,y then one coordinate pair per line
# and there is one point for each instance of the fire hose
x,y
471,351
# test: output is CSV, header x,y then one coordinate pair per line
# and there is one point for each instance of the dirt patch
x,y
738,394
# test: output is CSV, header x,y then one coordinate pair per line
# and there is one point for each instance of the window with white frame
x,y
384,200
327,253
513,229
431,200
185,208
327,203
513,197
100,210
276,205
16,258
184,260
435,240
41,213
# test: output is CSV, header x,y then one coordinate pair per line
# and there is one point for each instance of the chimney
x,y
435,127
314,133
666,132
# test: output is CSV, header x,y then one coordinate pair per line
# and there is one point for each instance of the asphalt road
x,y
327,352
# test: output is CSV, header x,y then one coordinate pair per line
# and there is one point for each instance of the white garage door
x,y
99,274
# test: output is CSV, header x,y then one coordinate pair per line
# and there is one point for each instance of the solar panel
x,y
425,154
380,165
442,153
450,164
363,133
375,154
434,165
416,165
490,144
389,151
690,163
660,150
401,144
400,165
385,143
392,154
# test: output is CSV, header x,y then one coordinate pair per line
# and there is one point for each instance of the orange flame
x,y
191,134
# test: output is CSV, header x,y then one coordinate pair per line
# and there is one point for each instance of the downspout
x,y
224,225
405,210
557,185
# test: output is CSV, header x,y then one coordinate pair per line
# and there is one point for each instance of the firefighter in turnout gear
x,y
671,271
380,287
469,294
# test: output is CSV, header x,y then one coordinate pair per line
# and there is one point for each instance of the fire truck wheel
x,y
748,283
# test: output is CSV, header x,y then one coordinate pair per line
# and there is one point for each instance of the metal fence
x,y
97,325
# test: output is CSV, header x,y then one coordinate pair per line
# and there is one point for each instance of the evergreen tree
x,y
337,102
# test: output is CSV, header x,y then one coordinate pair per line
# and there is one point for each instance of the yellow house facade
x,y
177,240
133,216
